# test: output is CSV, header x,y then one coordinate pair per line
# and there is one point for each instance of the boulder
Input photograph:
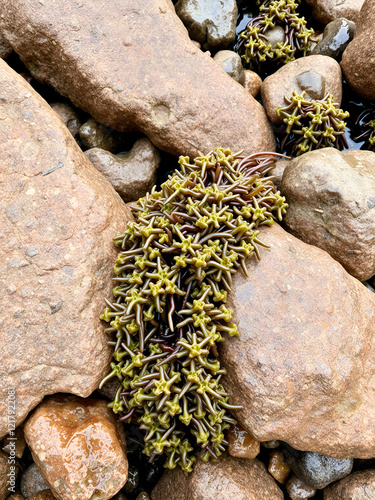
x,y
58,216
79,447
316,75
326,11
228,478
331,197
357,486
132,174
358,61
303,366
132,66
212,24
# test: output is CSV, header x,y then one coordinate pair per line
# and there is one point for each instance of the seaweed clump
x,y
366,122
316,123
174,271
254,46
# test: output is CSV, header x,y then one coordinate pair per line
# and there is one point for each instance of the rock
x,y
331,197
274,443
278,171
32,482
69,117
133,479
5,48
317,470
274,36
96,135
16,496
213,25
8,475
143,496
79,447
337,34
227,479
326,11
317,75
358,62
110,388
277,467
105,64
58,216
241,444
43,495
231,63
302,367
132,174
15,444
298,490
252,82
357,486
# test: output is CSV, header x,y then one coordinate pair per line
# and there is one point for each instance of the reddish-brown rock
x,y
326,11
357,486
228,478
303,367
8,475
58,216
241,443
316,75
79,447
132,66
252,82
358,61
331,197
298,490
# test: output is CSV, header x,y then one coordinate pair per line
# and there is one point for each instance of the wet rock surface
x,y
241,444
315,396
212,24
336,36
357,486
79,447
278,467
58,218
231,63
96,135
105,65
316,75
32,482
326,11
358,61
317,470
131,174
298,490
331,205
252,82
227,479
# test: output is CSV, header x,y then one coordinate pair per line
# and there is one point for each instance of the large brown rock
x,y
303,367
358,486
326,11
79,447
58,216
316,75
358,61
331,197
132,66
227,479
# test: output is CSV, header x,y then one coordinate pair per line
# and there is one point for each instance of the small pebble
x,y
279,469
32,482
231,63
143,496
271,444
252,82
336,36
96,135
133,480
298,490
69,117
241,443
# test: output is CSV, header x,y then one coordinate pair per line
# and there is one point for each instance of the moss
x,y
174,271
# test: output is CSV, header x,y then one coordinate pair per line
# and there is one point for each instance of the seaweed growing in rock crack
x,y
317,123
366,122
174,271
254,46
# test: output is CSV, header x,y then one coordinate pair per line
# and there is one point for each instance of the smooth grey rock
x,y
316,470
32,482
211,23
231,63
336,36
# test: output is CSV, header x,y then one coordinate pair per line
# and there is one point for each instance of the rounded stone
x,y
32,482
336,36
252,82
231,63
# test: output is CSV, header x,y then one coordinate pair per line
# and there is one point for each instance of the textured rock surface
x,y
79,447
336,36
131,174
96,135
105,60
212,24
231,63
298,490
5,48
227,479
68,116
317,75
303,365
326,11
58,216
32,482
331,197
278,172
43,495
278,467
317,470
252,82
4,471
15,444
358,486
358,61
241,444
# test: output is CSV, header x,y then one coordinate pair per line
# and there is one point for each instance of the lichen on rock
x,y
174,271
